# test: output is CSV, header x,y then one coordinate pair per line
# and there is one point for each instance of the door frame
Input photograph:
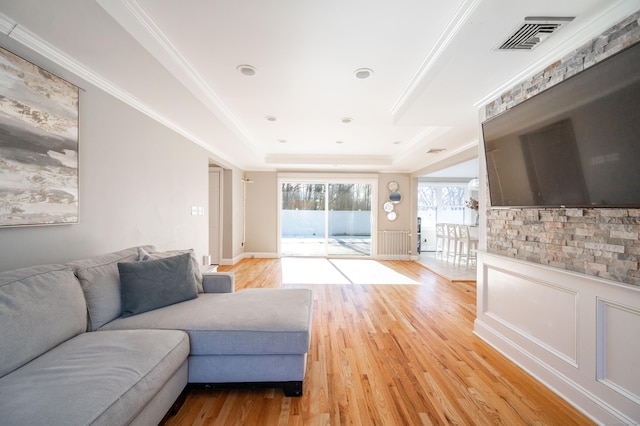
x,y
215,207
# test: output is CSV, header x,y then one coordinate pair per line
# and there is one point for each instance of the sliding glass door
x,y
329,219
349,219
302,221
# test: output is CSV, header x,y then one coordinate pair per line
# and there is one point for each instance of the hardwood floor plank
x,y
387,355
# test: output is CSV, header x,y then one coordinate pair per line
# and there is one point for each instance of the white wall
x,y
138,181
262,213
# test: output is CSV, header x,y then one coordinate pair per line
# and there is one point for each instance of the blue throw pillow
x,y
152,284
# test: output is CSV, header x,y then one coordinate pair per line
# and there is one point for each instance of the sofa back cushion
x,y
197,273
100,281
40,307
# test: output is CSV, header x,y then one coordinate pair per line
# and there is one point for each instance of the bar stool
x,y
468,245
452,238
441,236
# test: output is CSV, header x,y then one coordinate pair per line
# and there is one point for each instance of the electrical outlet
x,y
194,210
200,211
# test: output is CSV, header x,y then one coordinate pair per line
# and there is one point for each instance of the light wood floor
x,y
387,355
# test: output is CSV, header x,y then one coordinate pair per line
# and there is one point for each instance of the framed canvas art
x,y
38,145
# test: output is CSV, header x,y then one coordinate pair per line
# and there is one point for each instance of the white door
x,y
215,238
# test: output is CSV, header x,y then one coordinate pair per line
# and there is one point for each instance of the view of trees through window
x,y
342,197
303,196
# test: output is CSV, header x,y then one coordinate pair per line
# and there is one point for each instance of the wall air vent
x,y
533,31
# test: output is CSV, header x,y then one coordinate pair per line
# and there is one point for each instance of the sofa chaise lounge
x,y
85,343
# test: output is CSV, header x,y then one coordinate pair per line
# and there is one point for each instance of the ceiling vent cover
x,y
533,31
436,150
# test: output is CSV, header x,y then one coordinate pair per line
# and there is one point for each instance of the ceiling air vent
x,y
436,150
533,31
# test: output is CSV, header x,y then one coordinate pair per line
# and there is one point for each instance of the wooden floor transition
x,y
387,355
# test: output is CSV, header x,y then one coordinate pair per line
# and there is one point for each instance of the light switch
x,y
194,210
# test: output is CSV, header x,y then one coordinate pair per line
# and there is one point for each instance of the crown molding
x,y
419,79
341,160
141,26
6,24
36,44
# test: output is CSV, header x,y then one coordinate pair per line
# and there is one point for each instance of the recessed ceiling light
x,y
363,73
339,142
397,142
247,70
270,118
346,120
282,141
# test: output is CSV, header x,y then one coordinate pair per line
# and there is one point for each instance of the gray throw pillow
x,y
152,284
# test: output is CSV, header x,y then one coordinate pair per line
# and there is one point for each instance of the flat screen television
x,y
576,144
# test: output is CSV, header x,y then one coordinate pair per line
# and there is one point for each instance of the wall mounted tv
x,y
577,144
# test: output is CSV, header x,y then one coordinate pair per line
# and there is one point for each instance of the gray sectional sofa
x,y
114,339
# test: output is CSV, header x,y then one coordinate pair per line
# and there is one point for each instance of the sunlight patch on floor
x,y
298,270
305,270
366,271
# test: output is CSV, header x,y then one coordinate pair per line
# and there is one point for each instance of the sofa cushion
x,y
100,281
40,307
144,254
156,283
101,378
253,321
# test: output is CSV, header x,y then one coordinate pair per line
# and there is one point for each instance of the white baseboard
x,y
393,257
261,255
248,255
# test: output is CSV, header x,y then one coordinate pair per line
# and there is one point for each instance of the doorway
x,y
443,197
326,218
215,217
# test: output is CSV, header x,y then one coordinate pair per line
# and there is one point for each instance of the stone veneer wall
x,y
593,241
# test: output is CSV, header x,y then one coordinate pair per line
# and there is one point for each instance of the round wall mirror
x,y
388,206
393,186
395,197
391,216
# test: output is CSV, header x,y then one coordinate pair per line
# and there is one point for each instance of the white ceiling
x,y
434,64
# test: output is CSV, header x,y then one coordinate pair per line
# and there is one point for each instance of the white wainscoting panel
x,y
579,335
619,343
541,312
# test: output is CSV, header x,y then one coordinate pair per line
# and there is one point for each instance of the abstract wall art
x,y
38,145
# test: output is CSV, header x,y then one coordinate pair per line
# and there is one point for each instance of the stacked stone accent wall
x,y
599,242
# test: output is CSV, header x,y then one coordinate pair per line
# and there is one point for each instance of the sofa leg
x,y
292,388
178,403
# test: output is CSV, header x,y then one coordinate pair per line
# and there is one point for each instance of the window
x,y
440,202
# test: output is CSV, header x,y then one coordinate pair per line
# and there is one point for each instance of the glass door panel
x,y
302,221
349,220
